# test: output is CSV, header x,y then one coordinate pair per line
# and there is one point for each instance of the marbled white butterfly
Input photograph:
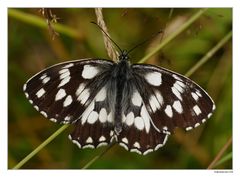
x,y
135,105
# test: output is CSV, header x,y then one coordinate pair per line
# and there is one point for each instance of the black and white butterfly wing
x,y
159,100
171,99
64,91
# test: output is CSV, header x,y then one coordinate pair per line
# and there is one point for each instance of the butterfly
x,y
135,105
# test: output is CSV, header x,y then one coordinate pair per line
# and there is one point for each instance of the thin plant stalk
x,y
98,156
41,146
173,35
209,54
40,22
220,153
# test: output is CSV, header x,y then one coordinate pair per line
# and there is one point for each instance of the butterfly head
x,y
123,56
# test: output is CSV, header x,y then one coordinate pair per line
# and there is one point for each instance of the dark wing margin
x,y
172,100
62,92
91,135
140,141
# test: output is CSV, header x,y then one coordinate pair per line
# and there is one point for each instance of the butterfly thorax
x,y
122,74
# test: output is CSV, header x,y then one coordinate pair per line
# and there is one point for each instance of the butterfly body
x,y
136,105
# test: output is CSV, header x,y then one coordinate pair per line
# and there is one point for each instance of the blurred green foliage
x,y
31,48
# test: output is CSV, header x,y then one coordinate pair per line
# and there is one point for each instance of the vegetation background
x,y
31,48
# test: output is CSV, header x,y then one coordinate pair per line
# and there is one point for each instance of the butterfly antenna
x,y
108,36
148,39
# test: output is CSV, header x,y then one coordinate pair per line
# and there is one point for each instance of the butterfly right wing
x,y
171,99
63,92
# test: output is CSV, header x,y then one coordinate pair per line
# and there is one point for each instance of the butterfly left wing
x,y
171,99
62,92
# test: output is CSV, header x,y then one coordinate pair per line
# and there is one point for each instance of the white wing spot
x,y
24,87
177,106
101,96
203,120
102,144
80,89
209,115
53,120
154,78
45,80
36,107
146,118
26,94
123,145
197,110
103,115
125,140
198,93
176,93
68,65
87,112
148,151
158,146
159,97
196,125
77,143
135,150
67,101
136,145
89,140
154,103
130,119
43,76
179,86
83,97
138,122
89,72
136,99
88,146
102,138
67,118
92,118
188,128
165,130
214,107
40,93
176,77
60,94
44,113
64,73
64,81
195,96
168,111
110,117
111,133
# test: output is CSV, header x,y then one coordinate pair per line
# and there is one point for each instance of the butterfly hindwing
x,y
62,92
171,99
89,135
139,134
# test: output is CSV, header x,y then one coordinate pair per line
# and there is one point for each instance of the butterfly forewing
x,y
62,92
171,99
